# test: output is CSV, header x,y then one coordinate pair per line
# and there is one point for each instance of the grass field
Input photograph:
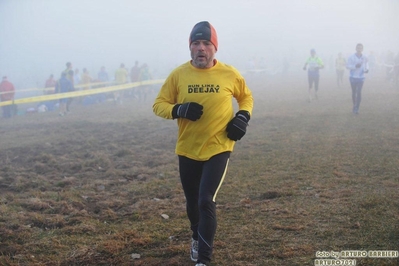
x,y
90,188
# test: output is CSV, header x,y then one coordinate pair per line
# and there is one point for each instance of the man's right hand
x,y
190,110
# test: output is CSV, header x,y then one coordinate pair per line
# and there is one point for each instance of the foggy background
x,y
39,36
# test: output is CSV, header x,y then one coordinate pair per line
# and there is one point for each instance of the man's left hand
x,y
237,127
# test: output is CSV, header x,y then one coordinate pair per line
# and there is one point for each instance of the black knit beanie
x,y
204,31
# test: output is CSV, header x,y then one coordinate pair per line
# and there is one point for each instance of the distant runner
x,y
314,63
358,66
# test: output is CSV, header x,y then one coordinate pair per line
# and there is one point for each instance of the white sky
x,y
39,36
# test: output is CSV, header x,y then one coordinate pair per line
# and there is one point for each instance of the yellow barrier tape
x,y
53,88
72,94
92,84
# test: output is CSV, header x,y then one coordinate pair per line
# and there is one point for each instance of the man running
x,y
358,66
314,63
198,94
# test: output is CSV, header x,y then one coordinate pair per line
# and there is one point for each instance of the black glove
x,y
191,111
237,127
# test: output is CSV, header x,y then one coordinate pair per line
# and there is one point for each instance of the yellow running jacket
x,y
214,89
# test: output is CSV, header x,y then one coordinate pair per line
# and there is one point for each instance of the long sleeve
x,y
166,99
357,72
350,64
243,96
214,89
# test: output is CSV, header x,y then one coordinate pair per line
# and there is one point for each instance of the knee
x,y
205,203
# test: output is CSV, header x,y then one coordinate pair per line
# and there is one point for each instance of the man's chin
x,y
200,64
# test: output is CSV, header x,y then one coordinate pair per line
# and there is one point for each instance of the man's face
x,y
202,53
359,49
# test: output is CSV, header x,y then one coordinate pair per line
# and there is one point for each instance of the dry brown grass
x,y
90,188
